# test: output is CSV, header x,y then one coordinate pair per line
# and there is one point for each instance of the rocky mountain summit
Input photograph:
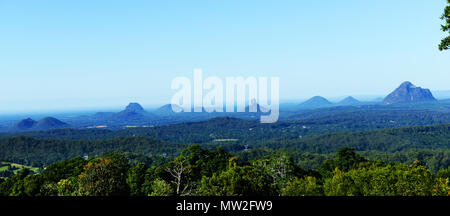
x,y
408,93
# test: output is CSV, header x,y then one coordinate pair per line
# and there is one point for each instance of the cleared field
x,y
16,167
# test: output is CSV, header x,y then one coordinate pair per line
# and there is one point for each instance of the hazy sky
x,y
87,54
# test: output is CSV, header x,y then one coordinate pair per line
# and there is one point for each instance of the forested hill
x,y
309,123
188,132
28,150
39,152
386,140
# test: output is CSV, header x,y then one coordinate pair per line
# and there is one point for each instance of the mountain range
x,y
406,93
134,115
47,123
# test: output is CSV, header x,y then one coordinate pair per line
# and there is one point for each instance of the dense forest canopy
x,y
40,152
200,172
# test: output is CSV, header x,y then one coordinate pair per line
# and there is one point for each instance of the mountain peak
x,y
255,107
168,109
318,98
46,123
132,113
349,101
49,123
407,84
408,93
25,124
134,107
316,102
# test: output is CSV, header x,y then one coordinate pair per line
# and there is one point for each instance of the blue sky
x,y
83,54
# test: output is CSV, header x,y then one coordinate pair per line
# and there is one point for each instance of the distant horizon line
x,y
43,112
438,94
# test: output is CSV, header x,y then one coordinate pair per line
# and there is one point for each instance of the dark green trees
x,y
202,172
445,43
280,168
238,181
390,180
308,186
64,169
186,171
104,177
136,179
346,159
24,183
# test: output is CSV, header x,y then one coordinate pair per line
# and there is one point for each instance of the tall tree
x,y
238,181
345,159
280,168
445,43
179,169
104,177
136,178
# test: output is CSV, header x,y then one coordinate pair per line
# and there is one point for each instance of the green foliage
x,y
104,177
308,186
67,187
280,168
18,184
8,169
161,188
390,180
32,185
346,159
199,171
435,160
306,160
445,173
238,181
48,151
64,169
442,188
445,43
260,139
6,173
301,124
204,162
49,189
387,140
136,179
149,176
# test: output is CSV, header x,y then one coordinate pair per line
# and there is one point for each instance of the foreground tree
x,y
104,177
15,185
180,170
442,188
67,187
307,186
136,179
64,169
238,181
280,168
445,43
375,180
204,162
345,159
161,188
